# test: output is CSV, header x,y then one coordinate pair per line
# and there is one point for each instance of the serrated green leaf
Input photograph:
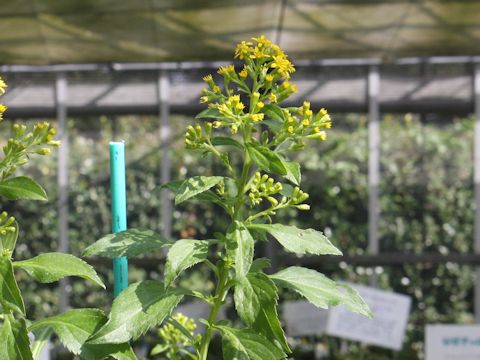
x,y
266,159
135,310
299,241
22,187
183,254
106,351
10,297
73,327
9,240
210,113
320,290
41,339
244,344
50,267
256,300
14,341
226,141
240,246
194,186
293,172
131,242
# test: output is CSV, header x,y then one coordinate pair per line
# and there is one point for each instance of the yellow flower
x,y
257,117
244,73
216,89
2,108
226,70
283,65
240,106
328,124
262,41
322,135
269,78
290,129
217,124
273,98
203,99
305,122
2,86
242,49
260,104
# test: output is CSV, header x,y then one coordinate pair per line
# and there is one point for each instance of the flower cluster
x,y
263,187
174,340
196,136
24,143
251,95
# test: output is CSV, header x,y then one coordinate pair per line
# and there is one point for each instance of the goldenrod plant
x,y
72,327
243,120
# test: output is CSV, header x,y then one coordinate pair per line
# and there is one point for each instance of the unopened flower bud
x,y
43,151
303,207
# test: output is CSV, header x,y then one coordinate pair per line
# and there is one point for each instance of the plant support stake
x,y
119,211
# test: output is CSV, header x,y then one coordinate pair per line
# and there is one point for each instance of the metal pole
x,y
61,89
476,180
165,138
373,162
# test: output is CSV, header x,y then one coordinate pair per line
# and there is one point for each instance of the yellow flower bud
x,y
269,78
260,104
290,129
273,98
305,122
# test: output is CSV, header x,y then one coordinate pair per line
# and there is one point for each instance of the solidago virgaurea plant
x,y
244,120
20,338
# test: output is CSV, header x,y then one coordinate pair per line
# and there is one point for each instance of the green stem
x,y
217,304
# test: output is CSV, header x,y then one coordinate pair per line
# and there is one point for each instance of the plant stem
x,y
217,304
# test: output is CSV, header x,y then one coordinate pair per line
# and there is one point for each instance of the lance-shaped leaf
x,y
106,351
274,112
183,254
22,187
194,186
266,159
131,242
135,310
50,267
299,241
10,297
320,290
207,195
14,341
293,172
240,246
210,113
244,344
256,300
226,141
73,327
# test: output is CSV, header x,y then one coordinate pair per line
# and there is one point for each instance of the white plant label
x,y
304,319
451,342
386,329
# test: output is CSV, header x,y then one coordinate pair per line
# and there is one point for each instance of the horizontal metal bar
x,y
191,65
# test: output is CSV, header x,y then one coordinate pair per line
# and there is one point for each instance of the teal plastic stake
x,y
119,211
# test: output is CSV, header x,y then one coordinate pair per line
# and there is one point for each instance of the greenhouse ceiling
x,y
106,31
